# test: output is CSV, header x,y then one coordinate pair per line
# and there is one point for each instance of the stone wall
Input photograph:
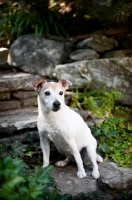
x,y
16,91
98,61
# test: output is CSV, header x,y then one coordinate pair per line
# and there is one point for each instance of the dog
x,y
64,127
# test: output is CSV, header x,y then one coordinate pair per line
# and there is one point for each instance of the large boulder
x,y
37,55
108,74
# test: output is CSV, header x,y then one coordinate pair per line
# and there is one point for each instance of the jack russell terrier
x,y
64,127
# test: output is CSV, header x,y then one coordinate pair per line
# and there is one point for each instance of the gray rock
x,y
29,102
84,54
108,74
75,72
9,105
13,121
113,180
99,43
19,81
116,178
118,54
24,94
67,181
21,136
37,55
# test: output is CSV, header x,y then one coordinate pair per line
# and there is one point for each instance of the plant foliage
x,y
97,101
115,133
24,17
115,141
14,184
122,9
17,181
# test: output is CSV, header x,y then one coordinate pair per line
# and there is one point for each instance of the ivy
x,y
115,142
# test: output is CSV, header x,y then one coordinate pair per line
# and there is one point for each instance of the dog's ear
x,y
65,83
38,84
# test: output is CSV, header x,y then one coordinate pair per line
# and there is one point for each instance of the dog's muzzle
x,y
56,105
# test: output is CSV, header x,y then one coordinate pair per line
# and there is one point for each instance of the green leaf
x,y
56,196
42,175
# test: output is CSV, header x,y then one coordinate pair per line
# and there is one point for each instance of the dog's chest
x,y
55,134
58,136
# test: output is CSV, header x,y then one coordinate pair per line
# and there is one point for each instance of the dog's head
x,y
51,94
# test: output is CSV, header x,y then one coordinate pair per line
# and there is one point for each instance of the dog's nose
x,y
56,104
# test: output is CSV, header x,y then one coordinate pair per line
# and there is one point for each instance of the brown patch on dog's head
x,y
38,84
64,83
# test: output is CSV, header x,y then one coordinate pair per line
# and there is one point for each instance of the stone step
x,y
17,122
16,81
112,183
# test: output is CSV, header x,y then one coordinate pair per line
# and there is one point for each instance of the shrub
x,y
17,181
24,17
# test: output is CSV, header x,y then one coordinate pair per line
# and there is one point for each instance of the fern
x,y
122,9
27,17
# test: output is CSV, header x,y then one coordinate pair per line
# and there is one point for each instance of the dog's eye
x,y
61,93
47,93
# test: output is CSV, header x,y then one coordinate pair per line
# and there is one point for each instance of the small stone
x,y
99,43
118,54
29,102
24,94
9,105
4,96
20,81
84,54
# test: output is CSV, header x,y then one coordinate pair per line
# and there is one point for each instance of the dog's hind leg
x,y
91,150
62,163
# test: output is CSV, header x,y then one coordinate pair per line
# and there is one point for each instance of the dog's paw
x,y
61,163
45,165
95,174
81,174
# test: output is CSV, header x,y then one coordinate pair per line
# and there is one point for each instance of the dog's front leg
x,y
45,146
81,172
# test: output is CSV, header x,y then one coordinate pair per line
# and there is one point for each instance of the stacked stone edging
x,y
16,91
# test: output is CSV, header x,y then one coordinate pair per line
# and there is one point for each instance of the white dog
x,y
68,131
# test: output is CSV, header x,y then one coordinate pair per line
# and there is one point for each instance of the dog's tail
x,y
99,158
